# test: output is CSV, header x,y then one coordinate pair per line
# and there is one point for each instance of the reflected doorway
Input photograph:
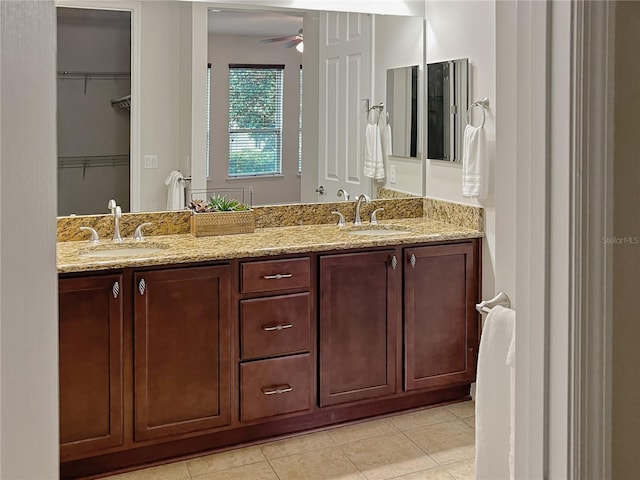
x,y
93,113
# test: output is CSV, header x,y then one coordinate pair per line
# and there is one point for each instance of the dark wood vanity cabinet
x,y
276,371
165,362
358,326
440,320
182,359
90,364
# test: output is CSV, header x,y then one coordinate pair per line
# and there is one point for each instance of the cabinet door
x,y
181,350
90,364
441,332
357,326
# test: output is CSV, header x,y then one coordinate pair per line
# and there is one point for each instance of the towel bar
x,y
486,305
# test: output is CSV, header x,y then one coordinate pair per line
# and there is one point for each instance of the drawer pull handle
x,y
277,276
272,328
277,390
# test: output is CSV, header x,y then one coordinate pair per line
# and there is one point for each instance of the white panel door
x,y
345,82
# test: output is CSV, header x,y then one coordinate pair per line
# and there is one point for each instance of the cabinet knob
x,y
116,290
142,286
413,261
394,262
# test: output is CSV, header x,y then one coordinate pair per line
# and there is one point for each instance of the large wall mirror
x,y
402,110
447,103
177,92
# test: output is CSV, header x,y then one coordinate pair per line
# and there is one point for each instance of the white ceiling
x,y
254,23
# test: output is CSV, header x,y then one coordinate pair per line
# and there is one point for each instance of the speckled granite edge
x,y
175,223
466,216
170,223
184,249
389,193
320,213
162,223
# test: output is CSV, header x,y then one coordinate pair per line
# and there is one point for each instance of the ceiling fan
x,y
292,41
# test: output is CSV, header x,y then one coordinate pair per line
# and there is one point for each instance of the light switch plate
x,y
392,173
150,161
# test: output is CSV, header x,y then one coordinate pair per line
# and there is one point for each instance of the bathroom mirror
x,y
166,117
402,110
447,103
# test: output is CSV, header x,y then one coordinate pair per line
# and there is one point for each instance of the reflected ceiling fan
x,y
292,41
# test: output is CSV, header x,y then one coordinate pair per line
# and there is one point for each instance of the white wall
x,y
398,42
389,7
310,104
87,123
28,279
226,49
461,29
165,102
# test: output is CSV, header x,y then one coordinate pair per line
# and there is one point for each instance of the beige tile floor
x,y
430,444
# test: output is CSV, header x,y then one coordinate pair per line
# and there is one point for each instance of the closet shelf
x,y
85,161
123,103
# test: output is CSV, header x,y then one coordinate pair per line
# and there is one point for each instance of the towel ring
x,y
482,104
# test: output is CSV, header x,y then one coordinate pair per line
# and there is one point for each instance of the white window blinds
x,y
255,120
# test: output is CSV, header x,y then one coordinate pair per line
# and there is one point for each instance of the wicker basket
x,y
222,223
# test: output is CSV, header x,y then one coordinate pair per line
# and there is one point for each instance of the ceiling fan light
x,y
300,47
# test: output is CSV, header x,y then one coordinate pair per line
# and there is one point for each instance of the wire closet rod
x,y
75,74
89,161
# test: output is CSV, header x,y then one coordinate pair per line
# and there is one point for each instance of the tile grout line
x,y
275,472
422,450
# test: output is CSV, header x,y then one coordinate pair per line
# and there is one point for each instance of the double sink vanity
x,y
175,345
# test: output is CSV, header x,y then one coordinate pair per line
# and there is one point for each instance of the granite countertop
x,y
185,248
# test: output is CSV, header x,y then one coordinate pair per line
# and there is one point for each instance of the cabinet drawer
x,y
275,325
272,275
275,387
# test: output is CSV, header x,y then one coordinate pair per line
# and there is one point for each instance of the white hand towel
x,y
475,174
175,194
494,428
373,161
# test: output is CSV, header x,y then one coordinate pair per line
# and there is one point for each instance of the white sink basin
x,y
123,251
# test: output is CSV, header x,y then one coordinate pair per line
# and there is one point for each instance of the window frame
x,y
277,130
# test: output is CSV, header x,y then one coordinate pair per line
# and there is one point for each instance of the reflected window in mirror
x,y
255,120
447,103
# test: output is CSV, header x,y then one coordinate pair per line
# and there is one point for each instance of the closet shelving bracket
x,y
123,103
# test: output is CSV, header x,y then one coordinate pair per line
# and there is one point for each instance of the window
x,y
255,120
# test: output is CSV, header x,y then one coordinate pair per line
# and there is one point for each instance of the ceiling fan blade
x,y
278,39
292,43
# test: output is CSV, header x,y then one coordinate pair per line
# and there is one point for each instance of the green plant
x,y
220,203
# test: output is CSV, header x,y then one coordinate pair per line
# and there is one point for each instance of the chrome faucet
x,y
359,199
116,211
343,193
